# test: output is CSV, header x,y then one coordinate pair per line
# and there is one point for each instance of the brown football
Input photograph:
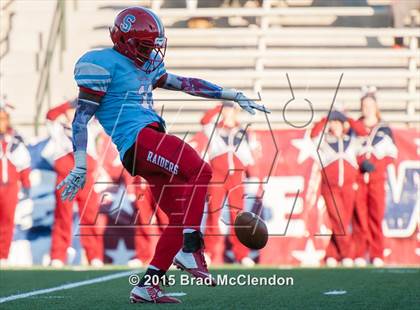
x,y
251,230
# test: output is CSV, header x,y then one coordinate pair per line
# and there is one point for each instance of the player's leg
x,y
177,200
62,228
171,238
236,205
8,202
213,237
146,233
160,153
161,220
376,202
90,236
360,228
179,180
168,245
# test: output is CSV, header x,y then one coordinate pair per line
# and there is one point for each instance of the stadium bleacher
x,y
314,44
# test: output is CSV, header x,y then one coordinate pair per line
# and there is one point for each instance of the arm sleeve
x,y
84,112
93,75
192,86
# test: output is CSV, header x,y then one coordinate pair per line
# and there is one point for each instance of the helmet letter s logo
x,y
127,23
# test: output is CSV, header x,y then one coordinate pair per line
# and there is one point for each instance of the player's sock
x,y
193,241
151,275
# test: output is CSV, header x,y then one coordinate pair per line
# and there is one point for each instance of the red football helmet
x,y
138,33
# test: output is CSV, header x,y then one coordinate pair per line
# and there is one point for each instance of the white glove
x,y
76,179
247,104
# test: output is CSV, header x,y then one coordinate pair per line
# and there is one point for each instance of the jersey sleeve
x,y
93,74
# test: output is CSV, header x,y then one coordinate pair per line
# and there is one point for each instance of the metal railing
x,y
56,34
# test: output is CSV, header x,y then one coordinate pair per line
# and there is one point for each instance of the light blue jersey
x,y
127,104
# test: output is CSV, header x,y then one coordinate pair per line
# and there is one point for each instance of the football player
x,y
115,85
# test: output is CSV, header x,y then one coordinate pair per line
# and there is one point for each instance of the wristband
x,y
229,94
80,159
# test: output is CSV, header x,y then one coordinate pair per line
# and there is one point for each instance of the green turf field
x,y
364,289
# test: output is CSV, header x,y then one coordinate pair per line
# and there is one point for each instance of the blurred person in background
x,y
377,152
338,150
15,162
59,153
229,156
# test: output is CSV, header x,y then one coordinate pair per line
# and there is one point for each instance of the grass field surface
x,y
299,288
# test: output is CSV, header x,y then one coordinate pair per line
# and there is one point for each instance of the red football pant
x,y
224,186
368,216
88,204
340,204
178,178
8,202
150,221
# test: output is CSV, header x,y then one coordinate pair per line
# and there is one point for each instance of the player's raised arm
x,y
202,88
87,104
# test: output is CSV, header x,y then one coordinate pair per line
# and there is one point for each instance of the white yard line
x,y
67,286
335,292
176,294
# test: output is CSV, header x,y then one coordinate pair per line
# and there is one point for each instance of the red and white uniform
x,y
379,148
59,153
15,164
340,168
229,155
